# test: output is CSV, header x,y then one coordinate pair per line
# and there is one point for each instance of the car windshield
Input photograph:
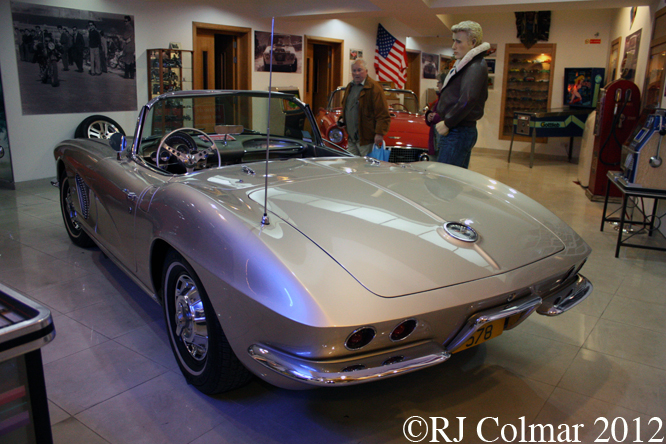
x,y
236,122
398,100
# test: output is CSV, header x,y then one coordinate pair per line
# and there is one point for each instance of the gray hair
x,y
472,29
361,62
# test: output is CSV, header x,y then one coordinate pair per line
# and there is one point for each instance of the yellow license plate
x,y
483,334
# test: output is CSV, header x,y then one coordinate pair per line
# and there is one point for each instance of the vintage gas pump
x,y
617,114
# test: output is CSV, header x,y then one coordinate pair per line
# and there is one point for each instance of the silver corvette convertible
x,y
281,255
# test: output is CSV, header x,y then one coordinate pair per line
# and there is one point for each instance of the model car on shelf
x,y
284,55
286,257
408,133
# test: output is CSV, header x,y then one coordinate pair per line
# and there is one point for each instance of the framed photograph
x,y
355,54
446,63
429,65
491,82
491,65
631,46
287,52
175,45
84,61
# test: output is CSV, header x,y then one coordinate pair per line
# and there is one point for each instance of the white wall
x,y
33,137
568,30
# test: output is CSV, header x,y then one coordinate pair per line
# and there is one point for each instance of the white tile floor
x,y
111,376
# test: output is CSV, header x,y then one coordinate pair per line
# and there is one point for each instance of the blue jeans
x,y
456,147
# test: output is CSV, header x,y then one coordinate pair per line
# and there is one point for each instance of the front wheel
x,y
201,348
70,215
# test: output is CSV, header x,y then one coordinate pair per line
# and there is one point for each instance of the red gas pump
x,y
617,113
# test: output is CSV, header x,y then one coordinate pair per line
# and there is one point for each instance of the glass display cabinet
x,y
169,70
527,85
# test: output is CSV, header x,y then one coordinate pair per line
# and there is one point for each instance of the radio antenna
x,y
264,219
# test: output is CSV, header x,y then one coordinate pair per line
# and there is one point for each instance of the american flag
x,y
390,59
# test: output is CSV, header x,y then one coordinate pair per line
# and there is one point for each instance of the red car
x,y
407,136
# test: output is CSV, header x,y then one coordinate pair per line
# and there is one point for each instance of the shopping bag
x,y
380,152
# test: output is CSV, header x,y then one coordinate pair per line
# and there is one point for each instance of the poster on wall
x,y
491,66
287,52
355,54
6,173
74,61
446,63
429,64
631,46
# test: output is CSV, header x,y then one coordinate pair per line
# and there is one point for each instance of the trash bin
x,y
25,327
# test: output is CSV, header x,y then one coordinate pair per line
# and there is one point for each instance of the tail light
x,y
404,329
360,338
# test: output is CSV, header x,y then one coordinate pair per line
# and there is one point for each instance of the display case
x,y
169,70
527,85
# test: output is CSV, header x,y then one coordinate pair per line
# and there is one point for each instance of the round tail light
x,y
404,329
360,338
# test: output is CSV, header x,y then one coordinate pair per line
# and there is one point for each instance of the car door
x,y
121,184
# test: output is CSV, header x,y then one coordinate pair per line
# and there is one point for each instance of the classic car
x,y
284,54
286,257
408,133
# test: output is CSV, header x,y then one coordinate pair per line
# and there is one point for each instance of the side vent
x,y
84,200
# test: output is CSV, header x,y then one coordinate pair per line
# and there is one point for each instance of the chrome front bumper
x,y
413,357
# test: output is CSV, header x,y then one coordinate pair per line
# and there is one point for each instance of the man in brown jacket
x,y
364,111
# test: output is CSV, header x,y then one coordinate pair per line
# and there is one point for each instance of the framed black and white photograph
x,y
73,60
287,52
429,64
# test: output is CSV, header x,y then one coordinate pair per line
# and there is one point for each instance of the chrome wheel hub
x,y
101,130
69,208
190,318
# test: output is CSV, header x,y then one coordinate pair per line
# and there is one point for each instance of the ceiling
x,y
426,18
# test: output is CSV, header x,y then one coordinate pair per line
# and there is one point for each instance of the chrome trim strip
x,y
574,291
314,373
526,306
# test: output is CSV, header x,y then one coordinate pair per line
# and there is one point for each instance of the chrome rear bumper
x,y
328,373
411,357
573,292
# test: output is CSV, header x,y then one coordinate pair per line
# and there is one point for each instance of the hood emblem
x,y
461,232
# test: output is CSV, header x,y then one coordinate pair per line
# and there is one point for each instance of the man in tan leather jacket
x,y
364,111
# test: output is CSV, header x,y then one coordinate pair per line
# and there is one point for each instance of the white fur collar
x,y
483,47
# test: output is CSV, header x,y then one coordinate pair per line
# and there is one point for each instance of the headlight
x,y
335,135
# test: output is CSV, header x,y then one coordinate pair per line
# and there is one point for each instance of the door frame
x,y
243,65
337,47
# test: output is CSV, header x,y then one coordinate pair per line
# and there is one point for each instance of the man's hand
x,y
441,128
379,140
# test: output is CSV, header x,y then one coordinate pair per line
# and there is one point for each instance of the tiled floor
x,y
111,376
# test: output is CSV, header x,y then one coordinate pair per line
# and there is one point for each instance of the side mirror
x,y
118,142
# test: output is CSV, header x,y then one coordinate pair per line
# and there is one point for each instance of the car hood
x,y
383,223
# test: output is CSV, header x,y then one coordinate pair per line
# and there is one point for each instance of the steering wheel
x,y
400,107
179,144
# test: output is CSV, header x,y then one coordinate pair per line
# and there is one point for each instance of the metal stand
x,y
647,223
